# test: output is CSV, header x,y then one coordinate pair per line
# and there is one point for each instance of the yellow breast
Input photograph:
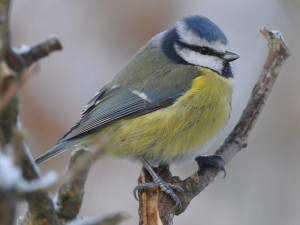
x,y
174,132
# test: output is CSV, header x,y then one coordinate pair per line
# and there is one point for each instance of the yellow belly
x,y
174,132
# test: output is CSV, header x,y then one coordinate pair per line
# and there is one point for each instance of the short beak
x,y
230,56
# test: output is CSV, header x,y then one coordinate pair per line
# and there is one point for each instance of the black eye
x,y
204,50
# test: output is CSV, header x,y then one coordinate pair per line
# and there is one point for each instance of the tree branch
x,y
13,67
32,55
40,203
4,27
237,139
70,195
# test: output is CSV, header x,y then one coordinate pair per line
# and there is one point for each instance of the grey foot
x,y
216,161
165,187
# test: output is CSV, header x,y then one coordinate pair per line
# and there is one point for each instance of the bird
x,y
166,105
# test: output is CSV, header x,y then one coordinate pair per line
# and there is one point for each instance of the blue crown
x,y
200,26
204,28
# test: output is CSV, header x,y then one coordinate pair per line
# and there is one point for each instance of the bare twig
x,y
4,26
19,60
13,67
69,196
7,207
40,203
14,72
35,53
237,139
23,60
7,201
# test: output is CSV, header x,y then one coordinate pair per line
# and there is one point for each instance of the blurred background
x,y
263,182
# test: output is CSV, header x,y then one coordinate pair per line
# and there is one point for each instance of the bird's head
x,y
198,41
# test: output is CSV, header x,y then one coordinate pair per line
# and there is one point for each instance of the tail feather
x,y
57,149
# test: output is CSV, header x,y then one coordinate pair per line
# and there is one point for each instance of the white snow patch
x,y
25,48
80,220
11,177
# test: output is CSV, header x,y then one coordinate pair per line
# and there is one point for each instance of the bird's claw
x,y
165,187
216,161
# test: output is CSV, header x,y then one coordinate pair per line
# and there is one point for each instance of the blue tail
x,y
58,149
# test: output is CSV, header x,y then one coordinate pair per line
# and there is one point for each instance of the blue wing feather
x,y
115,104
106,107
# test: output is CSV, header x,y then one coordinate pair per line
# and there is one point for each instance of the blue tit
x,y
166,105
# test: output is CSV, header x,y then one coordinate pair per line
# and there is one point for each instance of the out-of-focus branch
x,y
40,203
237,139
14,71
4,26
35,53
70,195
7,200
21,61
7,119
7,207
13,67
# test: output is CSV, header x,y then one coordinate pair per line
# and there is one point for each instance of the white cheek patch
x,y
195,58
188,37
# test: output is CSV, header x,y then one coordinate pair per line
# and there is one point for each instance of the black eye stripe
x,y
202,50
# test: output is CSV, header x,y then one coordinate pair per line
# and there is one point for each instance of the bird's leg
x,y
162,184
216,161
